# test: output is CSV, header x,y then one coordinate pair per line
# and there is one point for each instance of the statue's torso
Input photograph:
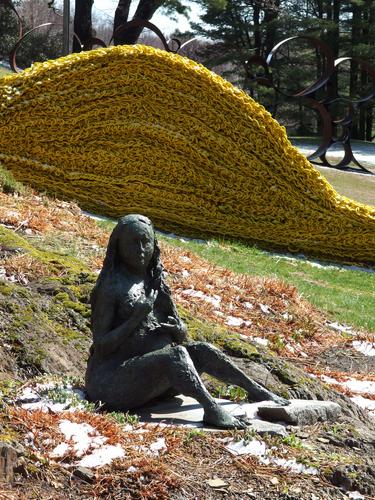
x,y
147,336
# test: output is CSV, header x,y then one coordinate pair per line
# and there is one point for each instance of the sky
x,y
106,8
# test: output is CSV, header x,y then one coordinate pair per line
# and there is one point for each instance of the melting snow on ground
x,y
85,442
233,321
215,300
365,403
358,387
259,449
365,348
340,328
153,448
51,397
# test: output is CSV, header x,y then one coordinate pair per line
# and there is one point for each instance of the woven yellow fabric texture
x,y
136,129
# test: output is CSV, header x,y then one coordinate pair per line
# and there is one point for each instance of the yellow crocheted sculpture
x,y
136,129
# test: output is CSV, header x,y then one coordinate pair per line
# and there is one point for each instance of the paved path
x,y
363,151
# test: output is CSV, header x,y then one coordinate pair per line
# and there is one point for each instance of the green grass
x,y
347,296
9,185
357,187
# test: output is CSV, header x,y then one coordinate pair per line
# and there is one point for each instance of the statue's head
x,y
135,242
133,245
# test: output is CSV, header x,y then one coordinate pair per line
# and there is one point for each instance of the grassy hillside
x,y
50,254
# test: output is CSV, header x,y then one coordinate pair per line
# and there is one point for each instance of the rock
x,y
301,412
302,435
263,427
323,440
355,477
217,483
85,474
8,460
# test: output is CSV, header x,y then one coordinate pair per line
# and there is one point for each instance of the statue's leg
x,y
148,376
208,359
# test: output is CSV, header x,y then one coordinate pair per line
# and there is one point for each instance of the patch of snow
x,y
287,316
259,449
366,404
355,495
102,456
254,447
321,264
37,398
215,300
328,380
87,444
290,348
157,446
98,217
248,305
45,406
60,450
184,258
233,321
361,386
356,386
294,466
340,328
260,341
365,348
83,436
265,309
185,273
131,469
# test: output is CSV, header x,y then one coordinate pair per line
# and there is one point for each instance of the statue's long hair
x,y
154,275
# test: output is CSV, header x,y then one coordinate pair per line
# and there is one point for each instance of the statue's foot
x,y
265,395
218,417
279,400
270,396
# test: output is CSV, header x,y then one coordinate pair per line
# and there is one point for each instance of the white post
x,y
66,27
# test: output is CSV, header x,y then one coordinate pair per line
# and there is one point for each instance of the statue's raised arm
x,y
140,347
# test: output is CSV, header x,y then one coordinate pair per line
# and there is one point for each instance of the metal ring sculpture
x,y
324,107
135,23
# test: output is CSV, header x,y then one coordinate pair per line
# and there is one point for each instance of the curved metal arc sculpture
x,y
135,23
325,82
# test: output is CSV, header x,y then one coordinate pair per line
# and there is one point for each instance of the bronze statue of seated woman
x,y
140,347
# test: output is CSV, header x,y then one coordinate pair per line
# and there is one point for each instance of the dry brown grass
x,y
41,214
269,308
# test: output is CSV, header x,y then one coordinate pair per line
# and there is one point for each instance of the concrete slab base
x,y
184,411
264,417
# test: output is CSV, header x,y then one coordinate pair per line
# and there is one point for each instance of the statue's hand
x,y
175,328
145,305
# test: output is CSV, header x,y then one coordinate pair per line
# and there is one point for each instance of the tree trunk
x,y
369,122
121,17
257,37
83,25
354,76
270,18
145,10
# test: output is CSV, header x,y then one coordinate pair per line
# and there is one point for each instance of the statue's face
x,y
136,246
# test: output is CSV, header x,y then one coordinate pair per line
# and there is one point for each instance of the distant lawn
x,y
359,187
347,296
356,186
